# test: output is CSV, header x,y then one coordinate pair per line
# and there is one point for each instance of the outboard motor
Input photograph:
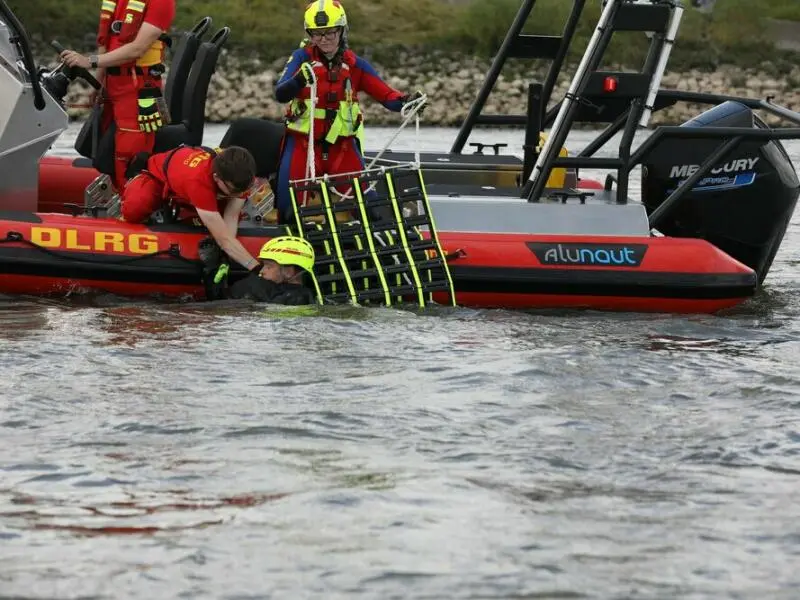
x,y
742,206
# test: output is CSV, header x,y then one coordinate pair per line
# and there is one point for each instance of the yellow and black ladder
x,y
377,248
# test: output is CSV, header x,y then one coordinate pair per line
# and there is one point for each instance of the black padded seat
x,y
189,130
262,138
180,64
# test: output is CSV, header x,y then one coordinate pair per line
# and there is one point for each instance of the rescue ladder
x,y
378,250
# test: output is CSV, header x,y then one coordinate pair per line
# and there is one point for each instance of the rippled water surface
x,y
241,451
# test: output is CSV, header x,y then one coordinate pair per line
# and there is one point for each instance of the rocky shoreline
x,y
245,88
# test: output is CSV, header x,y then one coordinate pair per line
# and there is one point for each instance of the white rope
x,y
311,169
410,110
365,171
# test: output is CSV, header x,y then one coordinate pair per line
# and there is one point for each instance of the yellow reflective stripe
x,y
428,271
335,231
300,233
108,6
331,269
311,273
370,243
360,247
135,5
343,125
334,131
398,276
401,231
435,236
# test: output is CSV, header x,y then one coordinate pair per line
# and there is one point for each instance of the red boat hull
x,y
62,181
61,254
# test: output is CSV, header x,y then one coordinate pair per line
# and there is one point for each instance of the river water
x,y
241,451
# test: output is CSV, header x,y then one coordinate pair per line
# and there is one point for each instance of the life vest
x,y
336,112
210,154
120,21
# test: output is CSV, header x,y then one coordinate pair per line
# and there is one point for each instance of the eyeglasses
x,y
331,34
227,189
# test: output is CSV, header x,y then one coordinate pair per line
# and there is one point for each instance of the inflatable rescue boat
x,y
717,192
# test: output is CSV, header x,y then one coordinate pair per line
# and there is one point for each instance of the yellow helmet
x,y
322,14
289,250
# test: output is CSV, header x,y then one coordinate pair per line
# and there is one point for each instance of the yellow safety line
x,y
398,276
360,247
336,242
402,233
428,270
331,267
435,236
368,230
301,233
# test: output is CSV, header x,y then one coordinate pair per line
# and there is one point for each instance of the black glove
x,y
209,253
302,77
215,268
415,96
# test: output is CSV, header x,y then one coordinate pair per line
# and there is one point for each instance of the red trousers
x,y
143,195
343,156
123,108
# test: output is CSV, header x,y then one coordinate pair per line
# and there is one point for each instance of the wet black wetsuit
x,y
259,289
251,287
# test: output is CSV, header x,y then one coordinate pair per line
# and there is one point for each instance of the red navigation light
x,y
610,84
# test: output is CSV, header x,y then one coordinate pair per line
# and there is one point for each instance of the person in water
x,y
213,183
130,62
283,260
325,63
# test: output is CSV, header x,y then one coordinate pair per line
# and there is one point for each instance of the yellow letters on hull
x,y
94,241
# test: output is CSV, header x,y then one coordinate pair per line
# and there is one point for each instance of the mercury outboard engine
x,y
742,206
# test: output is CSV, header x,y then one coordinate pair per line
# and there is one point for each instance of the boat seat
x,y
180,65
262,138
190,129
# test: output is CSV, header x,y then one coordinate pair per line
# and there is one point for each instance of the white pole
x,y
663,59
605,17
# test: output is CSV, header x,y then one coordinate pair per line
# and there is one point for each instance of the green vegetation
x,y
783,9
734,33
